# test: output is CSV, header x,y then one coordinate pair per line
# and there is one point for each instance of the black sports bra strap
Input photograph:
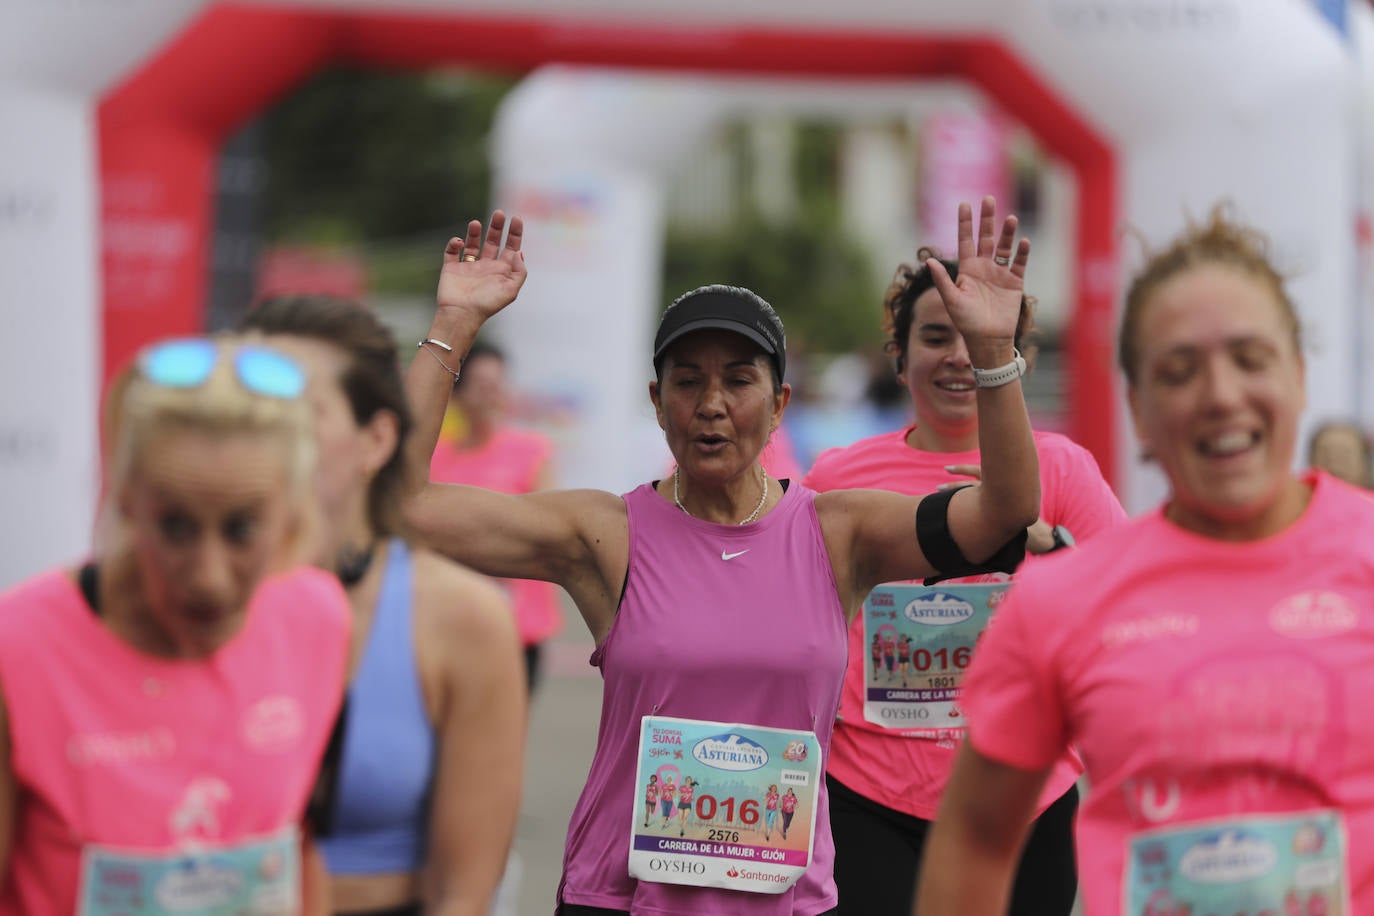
x,y
88,580
319,811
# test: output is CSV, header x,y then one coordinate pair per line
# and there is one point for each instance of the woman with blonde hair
x,y
164,707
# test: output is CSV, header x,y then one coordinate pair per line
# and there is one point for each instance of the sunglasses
x,y
189,361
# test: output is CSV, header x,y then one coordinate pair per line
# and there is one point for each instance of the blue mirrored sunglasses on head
x,y
188,363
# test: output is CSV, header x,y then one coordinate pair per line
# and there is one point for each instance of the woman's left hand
x,y
985,302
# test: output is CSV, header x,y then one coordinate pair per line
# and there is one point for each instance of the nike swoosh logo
x,y
731,556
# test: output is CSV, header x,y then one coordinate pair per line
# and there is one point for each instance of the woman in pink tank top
x,y
722,546
684,803
1213,788
666,794
789,808
166,706
650,798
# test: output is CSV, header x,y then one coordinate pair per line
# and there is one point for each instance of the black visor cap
x,y
725,312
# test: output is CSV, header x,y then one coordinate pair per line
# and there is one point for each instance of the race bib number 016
x,y
724,805
258,877
918,642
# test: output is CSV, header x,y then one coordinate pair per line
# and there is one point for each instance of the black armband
x,y
938,546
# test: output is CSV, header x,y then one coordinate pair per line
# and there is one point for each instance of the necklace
x,y
753,516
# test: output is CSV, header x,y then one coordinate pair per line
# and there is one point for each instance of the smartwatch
x,y
1061,537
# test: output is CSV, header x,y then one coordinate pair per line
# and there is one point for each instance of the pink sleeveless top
x,y
114,747
509,462
684,644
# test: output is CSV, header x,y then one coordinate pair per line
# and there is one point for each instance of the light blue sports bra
x,y
380,818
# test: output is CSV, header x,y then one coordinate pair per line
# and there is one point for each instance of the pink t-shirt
x,y
905,772
779,458
1201,680
789,804
112,747
511,461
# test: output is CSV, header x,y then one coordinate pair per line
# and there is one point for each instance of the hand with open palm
x,y
985,302
479,276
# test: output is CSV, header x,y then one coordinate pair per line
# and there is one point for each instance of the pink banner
x,y
963,157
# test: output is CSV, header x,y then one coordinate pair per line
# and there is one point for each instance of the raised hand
x,y
478,275
985,302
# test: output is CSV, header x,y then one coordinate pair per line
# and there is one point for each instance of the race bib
x,y
737,805
259,877
1278,864
918,642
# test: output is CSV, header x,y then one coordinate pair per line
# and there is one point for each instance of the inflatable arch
x,y
114,113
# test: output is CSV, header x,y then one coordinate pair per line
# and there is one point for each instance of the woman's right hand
x,y
478,276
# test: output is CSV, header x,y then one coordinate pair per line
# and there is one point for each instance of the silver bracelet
x,y
993,378
456,373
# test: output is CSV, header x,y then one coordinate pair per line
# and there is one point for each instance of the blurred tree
x,y
392,163
389,164
818,279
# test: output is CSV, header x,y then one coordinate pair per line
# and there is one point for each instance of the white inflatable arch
x,y
114,111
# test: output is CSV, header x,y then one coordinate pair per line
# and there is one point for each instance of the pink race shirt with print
x,y
1206,683
115,748
906,772
511,461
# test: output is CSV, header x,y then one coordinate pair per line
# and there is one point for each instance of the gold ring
x,y
469,257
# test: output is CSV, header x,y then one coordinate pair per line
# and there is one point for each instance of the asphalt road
x,y
562,737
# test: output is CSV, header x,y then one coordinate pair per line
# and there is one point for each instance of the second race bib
x,y
259,877
1292,863
918,642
